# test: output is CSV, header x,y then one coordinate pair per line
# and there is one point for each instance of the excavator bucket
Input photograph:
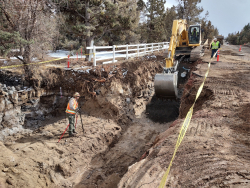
x,y
166,85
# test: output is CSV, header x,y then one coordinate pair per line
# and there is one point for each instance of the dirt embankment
x,y
215,150
116,135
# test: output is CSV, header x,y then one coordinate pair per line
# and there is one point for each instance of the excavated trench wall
x,y
118,92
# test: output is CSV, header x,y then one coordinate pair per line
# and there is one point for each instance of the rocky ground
x,y
129,135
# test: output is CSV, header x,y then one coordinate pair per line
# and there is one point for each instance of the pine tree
x,y
169,18
209,30
114,22
240,37
155,20
188,9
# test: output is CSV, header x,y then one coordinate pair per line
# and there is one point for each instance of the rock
x,y
21,118
4,93
8,104
23,96
63,169
18,88
30,94
14,170
38,93
14,97
128,100
5,169
2,104
10,181
1,119
11,117
10,92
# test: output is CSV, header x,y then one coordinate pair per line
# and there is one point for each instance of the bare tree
x,y
28,25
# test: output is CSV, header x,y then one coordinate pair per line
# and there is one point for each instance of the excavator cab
x,y
194,35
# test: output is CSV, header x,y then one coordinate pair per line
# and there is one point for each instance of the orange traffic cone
x,y
218,55
240,49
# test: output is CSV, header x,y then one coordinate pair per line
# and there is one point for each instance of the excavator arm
x,y
182,43
179,36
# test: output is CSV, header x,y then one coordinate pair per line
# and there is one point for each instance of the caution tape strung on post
x,y
13,66
185,126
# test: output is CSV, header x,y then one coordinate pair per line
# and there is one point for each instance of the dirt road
x,y
215,151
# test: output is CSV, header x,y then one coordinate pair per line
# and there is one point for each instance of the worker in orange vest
x,y
71,111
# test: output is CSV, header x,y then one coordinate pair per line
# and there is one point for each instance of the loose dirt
x,y
130,135
116,129
215,150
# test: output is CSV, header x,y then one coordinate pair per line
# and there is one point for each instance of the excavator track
x,y
196,53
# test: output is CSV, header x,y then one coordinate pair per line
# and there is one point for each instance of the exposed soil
x,y
117,130
215,150
130,135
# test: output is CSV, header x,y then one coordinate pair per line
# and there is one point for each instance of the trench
x,y
126,108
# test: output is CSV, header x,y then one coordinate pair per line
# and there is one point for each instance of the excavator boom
x,y
182,43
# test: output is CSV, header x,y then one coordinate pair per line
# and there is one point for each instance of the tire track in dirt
x,y
215,150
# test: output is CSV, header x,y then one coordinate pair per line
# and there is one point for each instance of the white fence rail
x,y
135,50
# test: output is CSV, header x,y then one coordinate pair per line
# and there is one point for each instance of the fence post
x,y
152,48
145,49
68,62
94,56
137,50
113,53
127,51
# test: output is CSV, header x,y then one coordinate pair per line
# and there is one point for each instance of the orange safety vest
x,y
75,106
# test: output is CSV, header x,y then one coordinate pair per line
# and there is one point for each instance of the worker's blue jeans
x,y
213,52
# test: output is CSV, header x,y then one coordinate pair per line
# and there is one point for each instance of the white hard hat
x,y
215,39
76,94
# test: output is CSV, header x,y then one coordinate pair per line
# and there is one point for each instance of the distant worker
x,y
71,111
194,35
215,46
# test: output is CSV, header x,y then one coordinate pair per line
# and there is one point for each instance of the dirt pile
x,y
215,150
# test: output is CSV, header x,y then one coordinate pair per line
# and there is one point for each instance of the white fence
x,y
135,50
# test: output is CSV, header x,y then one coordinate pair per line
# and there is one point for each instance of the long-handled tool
x,y
66,130
81,120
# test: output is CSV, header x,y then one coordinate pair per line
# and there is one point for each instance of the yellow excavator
x,y
183,43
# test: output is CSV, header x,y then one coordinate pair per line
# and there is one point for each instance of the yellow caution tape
x,y
185,127
13,66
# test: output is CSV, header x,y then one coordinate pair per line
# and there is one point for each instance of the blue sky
x,y
228,16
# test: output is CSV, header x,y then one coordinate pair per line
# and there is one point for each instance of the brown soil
x,y
130,136
215,150
117,131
